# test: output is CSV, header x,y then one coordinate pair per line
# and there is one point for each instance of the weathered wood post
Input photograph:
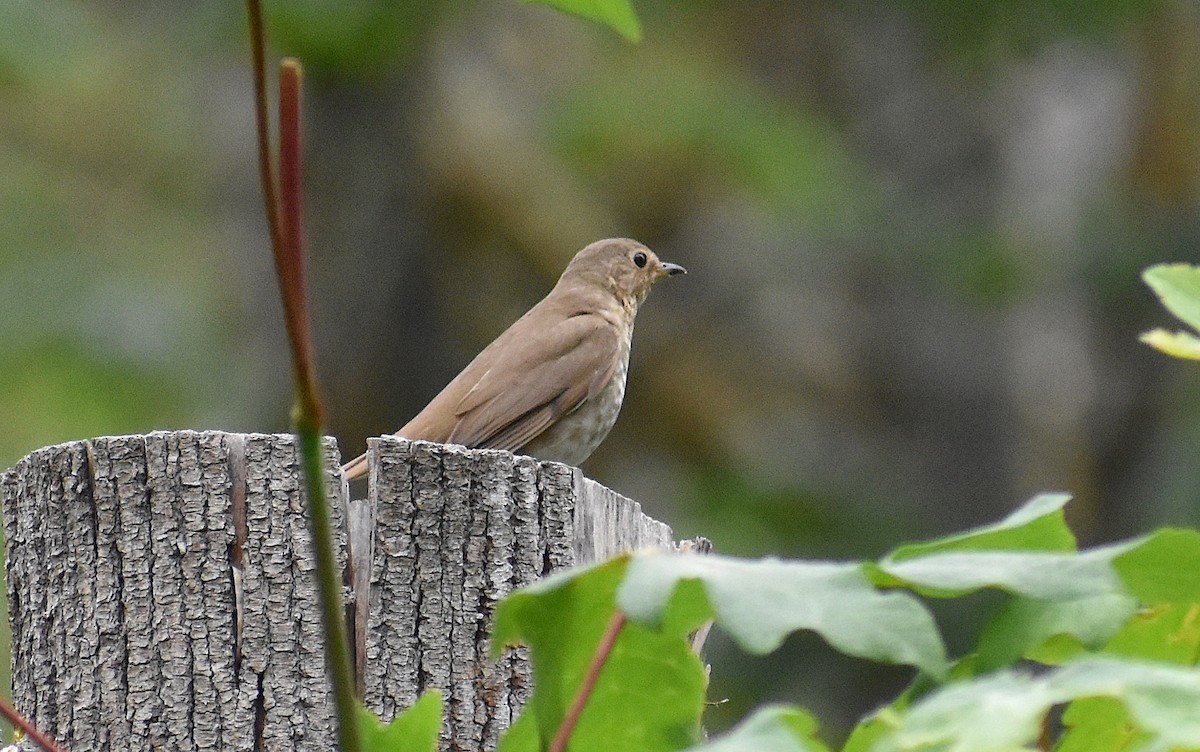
x,y
160,592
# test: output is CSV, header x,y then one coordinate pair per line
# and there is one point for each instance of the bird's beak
x,y
671,270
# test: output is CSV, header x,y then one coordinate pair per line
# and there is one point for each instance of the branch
x,y
10,713
265,172
285,220
289,263
607,641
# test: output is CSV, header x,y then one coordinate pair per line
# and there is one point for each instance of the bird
x,y
551,385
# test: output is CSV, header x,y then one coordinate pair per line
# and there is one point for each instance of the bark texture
x,y
161,598
454,531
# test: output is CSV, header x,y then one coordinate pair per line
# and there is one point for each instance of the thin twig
x,y
265,171
290,263
10,713
603,650
308,414
284,207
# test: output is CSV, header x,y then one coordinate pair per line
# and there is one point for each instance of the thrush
x,y
550,385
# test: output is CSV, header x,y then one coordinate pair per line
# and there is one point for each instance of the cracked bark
x,y
161,594
454,531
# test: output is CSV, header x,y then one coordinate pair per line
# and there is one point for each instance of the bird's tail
x,y
355,468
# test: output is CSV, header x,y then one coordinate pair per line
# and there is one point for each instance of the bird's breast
x,y
573,437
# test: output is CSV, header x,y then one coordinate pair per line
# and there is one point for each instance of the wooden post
x,y
160,592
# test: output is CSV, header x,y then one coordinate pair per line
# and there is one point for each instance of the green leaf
x,y
522,736
1039,525
650,693
518,609
1098,724
1176,344
1164,633
772,728
414,730
1046,576
1000,712
1004,711
1051,631
1167,632
760,602
1178,286
1165,568
869,731
1162,699
618,14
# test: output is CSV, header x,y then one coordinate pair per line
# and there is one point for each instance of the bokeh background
x,y
914,230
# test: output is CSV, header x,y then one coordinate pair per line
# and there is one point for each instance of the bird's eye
x,y
639,259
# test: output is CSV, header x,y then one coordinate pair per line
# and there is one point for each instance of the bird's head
x,y
624,267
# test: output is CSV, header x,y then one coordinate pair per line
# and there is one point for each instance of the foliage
x,y
414,730
1178,286
562,618
1115,624
618,14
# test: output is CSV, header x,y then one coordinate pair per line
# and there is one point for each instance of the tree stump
x,y
160,592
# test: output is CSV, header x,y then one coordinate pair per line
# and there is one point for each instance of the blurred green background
x,y
914,231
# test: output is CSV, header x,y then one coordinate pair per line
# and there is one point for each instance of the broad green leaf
x,y
760,602
1178,286
997,713
773,728
1165,568
869,731
506,629
1004,711
1098,724
1051,631
414,730
522,736
1039,525
1167,632
618,14
1057,650
1176,344
1034,574
650,693
1162,699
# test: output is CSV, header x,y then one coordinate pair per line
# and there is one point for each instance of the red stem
x,y
603,650
18,720
265,170
284,219
289,260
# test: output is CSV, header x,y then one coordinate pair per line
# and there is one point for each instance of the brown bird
x,y
552,384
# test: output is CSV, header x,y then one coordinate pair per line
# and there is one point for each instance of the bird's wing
x,y
519,385
540,377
